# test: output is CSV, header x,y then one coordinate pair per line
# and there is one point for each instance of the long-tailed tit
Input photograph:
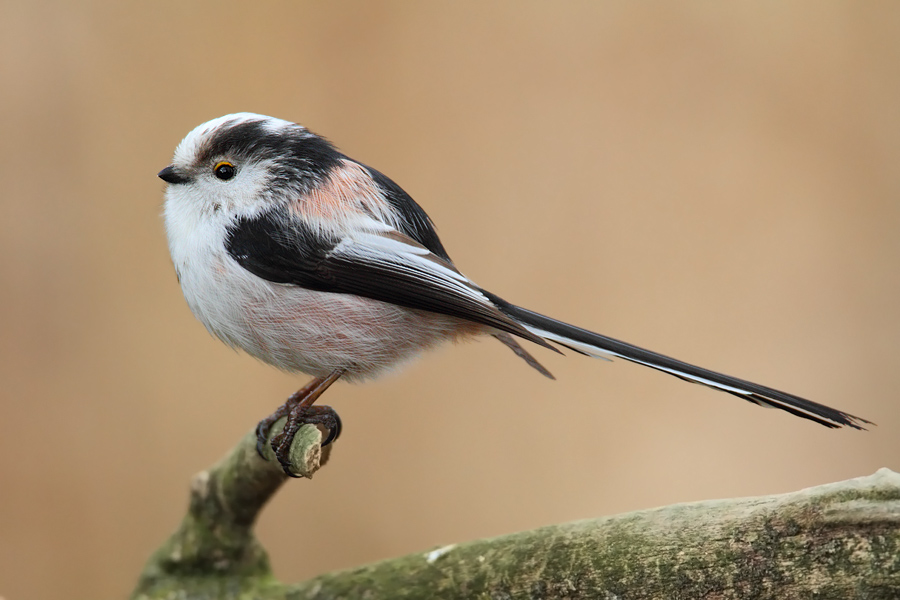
x,y
314,262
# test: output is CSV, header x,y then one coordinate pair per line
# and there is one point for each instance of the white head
x,y
241,163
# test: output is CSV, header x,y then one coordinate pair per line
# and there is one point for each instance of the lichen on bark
x,y
839,540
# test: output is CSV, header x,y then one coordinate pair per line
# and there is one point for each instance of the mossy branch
x,y
213,553
840,541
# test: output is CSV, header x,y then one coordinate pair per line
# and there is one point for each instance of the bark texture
x,y
840,540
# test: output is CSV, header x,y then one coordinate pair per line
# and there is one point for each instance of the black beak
x,y
170,175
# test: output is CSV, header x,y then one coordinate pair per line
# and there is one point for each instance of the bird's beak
x,y
171,175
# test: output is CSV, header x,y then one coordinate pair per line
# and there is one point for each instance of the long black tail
x,y
593,344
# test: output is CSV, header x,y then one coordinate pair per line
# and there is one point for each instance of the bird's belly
x,y
313,332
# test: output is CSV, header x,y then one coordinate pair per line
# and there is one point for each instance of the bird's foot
x,y
265,426
299,410
297,418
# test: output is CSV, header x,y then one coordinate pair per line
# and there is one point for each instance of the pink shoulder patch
x,y
348,190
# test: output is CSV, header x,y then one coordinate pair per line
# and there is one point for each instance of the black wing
x,y
385,265
416,222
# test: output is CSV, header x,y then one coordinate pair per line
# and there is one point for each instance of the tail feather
x,y
596,345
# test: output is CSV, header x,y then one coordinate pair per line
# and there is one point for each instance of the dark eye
x,y
224,170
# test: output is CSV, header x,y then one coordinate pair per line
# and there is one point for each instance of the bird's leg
x,y
264,426
299,410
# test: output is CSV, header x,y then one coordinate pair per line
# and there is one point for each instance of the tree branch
x,y
213,553
840,540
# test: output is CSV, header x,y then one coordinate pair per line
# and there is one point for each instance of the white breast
x,y
287,326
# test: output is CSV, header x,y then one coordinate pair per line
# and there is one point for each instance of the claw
x,y
334,430
330,438
262,435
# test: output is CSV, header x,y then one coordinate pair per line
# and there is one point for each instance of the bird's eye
x,y
224,170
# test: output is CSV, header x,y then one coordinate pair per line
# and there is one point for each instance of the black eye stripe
x,y
297,159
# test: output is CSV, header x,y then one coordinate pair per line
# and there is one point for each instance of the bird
x,y
316,263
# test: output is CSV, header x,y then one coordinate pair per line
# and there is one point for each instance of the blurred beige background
x,y
719,183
